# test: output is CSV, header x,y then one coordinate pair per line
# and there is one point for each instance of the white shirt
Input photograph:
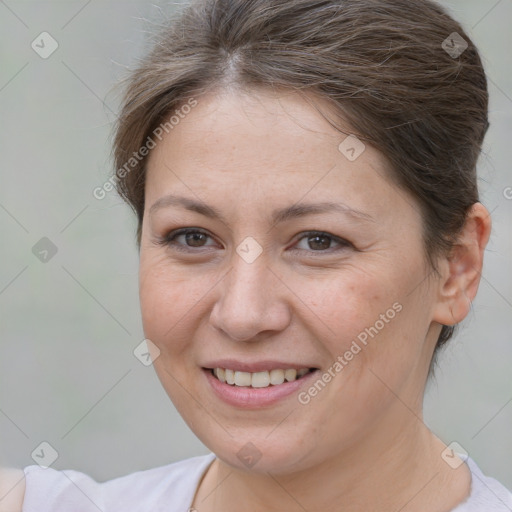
x,y
172,488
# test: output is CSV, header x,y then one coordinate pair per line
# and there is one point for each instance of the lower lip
x,y
252,398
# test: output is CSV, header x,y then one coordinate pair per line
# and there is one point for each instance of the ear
x,y
461,270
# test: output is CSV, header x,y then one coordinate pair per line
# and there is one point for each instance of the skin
x,y
361,441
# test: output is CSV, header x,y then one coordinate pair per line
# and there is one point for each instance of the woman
x,y
304,176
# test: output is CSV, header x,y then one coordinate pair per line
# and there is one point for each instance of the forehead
x,y
259,129
273,120
265,145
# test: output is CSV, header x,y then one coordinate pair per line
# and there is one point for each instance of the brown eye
x,y
186,239
195,239
318,241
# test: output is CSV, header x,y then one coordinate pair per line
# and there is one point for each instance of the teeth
x,y
258,379
230,376
290,375
242,379
276,377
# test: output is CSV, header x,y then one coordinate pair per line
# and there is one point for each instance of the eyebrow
x,y
279,215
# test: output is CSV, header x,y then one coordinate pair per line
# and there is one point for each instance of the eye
x,y
319,241
191,238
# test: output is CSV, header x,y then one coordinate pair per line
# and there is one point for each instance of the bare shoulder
x,y
12,489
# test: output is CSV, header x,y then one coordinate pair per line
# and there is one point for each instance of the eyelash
x,y
169,240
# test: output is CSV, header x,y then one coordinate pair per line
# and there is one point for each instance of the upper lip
x,y
255,366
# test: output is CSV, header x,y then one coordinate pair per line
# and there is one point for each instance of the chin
x,y
259,454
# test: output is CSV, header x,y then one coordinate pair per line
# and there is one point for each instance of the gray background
x,y
68,327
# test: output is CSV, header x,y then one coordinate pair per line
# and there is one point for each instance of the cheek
x,y
370,319
168,300
344,305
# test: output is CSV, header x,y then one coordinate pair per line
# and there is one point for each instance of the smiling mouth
x,y
259,379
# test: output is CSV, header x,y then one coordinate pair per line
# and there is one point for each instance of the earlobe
x,y
459,309
461,270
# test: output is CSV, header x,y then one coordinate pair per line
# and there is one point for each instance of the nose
x,y
251,301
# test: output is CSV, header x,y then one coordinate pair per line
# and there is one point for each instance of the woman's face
x,y
255,290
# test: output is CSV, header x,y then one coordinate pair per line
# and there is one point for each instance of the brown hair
x,y
384,65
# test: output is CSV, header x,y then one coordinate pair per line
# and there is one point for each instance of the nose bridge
x,y
251,298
